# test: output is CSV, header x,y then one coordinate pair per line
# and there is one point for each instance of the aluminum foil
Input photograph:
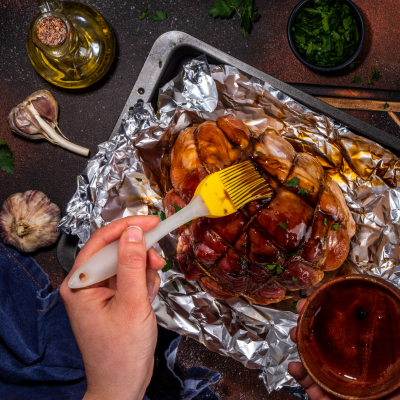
x,y
130,175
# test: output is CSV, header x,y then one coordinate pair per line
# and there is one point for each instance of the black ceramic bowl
x,y
355,13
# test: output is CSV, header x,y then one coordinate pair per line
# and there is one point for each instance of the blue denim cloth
x,y
39,357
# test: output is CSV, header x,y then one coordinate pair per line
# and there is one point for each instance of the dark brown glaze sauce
x,y
354,337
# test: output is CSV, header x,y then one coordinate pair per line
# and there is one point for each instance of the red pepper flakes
x,y
51,31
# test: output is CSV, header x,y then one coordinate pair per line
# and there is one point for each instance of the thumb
x,y
131,273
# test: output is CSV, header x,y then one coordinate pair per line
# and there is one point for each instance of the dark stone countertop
x,y
88,116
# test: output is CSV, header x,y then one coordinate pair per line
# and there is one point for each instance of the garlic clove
x,y
23,123
29,220
45,104
36,117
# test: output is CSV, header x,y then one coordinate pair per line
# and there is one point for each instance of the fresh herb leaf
x,y
302,296
260,154
361,314
313,189
325,222
162,216
175,285
221,9
386,105
184,283
283,225
146,13
167,266
293,182
159,16
376,74
225,9
244,245
303,142
177,208
359,80
188,223
294,253
303,191
242,261
270,266
155,212
6,158
235,147
276,176
139,180
294,306
369,82
335,227
279,270
294,279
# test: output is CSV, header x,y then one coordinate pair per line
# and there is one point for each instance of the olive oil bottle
x,y
70,44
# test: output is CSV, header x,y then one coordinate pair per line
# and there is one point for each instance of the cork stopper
x,y
51,31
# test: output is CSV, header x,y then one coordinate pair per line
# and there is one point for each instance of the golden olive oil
x,y
87,53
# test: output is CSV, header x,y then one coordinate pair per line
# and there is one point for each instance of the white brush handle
x,y
103,264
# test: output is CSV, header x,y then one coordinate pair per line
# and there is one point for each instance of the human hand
x,y
315,392
113,321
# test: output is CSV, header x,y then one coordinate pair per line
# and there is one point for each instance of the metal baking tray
x,y
165,60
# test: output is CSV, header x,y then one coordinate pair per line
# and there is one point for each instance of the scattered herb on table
x,y
353,64
283,225
6,158
398,84
325,33
225,9
376,74
357,79
167,266
294,306
361,314
386,105
369,82
159,15
293,182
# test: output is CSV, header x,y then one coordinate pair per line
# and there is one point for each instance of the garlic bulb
x,y
29,221
36,118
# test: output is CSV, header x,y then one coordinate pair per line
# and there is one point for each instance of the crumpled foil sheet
x,y
129,175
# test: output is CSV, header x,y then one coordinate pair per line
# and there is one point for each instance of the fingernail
x,y
150,290
133,234
161,258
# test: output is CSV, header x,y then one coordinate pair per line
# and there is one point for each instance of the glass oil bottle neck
x,y
48,5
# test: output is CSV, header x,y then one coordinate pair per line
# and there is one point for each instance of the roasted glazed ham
x,y
271,245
